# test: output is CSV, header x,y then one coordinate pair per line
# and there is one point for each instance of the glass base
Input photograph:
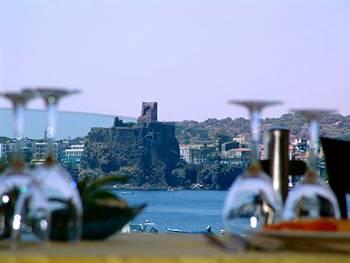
x,y
64,202
251,202
311,200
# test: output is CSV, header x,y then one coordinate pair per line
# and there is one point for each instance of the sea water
x,y
186,210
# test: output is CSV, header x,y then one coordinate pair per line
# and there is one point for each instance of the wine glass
x,y
60,189
311,198
251,201
18,187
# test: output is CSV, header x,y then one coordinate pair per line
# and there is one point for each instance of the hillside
x,y
192,132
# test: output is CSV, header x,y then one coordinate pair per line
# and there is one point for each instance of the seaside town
x,y
76,154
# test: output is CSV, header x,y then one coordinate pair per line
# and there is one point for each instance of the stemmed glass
x,y
60,189
251,201
311,198
18,187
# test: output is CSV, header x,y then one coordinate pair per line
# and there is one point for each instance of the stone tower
x,y
149,112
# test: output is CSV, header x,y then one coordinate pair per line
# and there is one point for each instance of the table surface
x,y
151,248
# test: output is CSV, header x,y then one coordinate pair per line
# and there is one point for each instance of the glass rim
x,y
18,97
54,94
254,104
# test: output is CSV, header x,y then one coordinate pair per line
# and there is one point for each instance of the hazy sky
x,y
189,55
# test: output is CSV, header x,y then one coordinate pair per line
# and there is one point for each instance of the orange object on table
x,y
324,224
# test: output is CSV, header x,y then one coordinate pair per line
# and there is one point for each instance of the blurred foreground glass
x,y
251,201
60,189
24,211
312,197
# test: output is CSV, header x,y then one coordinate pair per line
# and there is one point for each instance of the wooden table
x,y
151,248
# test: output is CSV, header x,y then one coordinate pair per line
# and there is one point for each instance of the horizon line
x,y
79,112
135,118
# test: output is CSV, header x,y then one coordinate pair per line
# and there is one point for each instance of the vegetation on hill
x,y
193,132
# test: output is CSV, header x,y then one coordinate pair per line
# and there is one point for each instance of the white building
x,y
197,153
74,153
243,153
40,150
6,148
75,150
240,139
2,150
185,152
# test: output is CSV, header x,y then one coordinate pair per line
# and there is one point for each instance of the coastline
x,y
162,188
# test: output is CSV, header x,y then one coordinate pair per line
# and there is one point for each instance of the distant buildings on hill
x,y
68,152
148,143
238,151
234,152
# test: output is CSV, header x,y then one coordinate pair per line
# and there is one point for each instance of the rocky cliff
x,y
146,152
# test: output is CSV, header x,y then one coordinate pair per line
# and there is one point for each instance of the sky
x,y
191,56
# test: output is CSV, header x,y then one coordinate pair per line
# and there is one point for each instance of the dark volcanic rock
x,y
146,152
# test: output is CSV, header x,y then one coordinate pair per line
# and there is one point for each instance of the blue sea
x,y
186,210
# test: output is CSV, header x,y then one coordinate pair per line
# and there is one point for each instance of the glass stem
x,y
255,134
19,120
314,145
51,127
